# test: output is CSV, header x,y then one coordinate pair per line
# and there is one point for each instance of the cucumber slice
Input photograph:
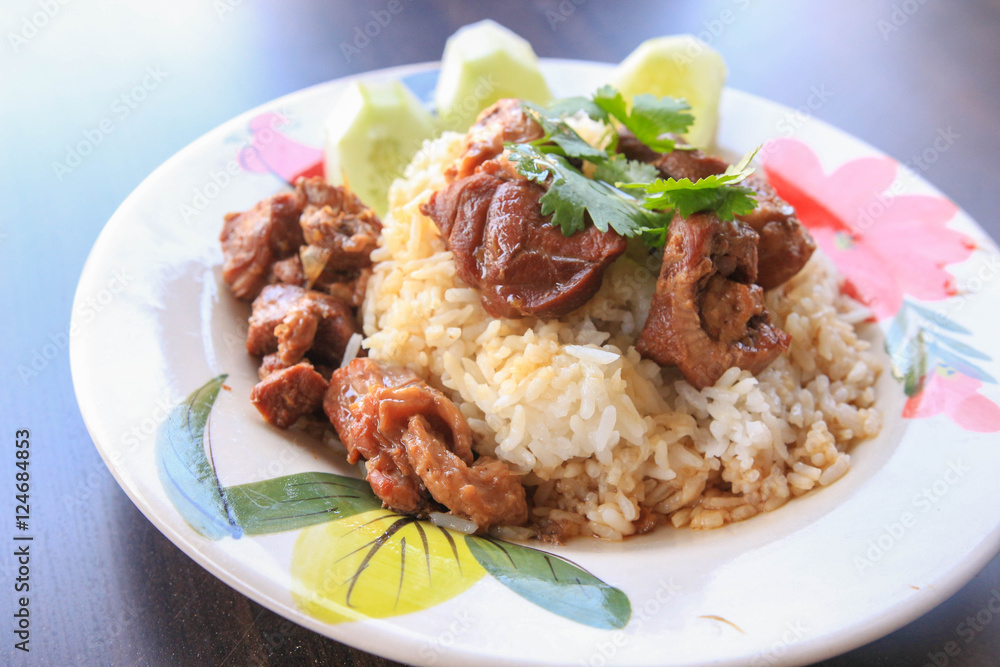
x,y
678,66
482,63
371,134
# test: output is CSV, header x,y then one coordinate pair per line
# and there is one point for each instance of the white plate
x,y
913,521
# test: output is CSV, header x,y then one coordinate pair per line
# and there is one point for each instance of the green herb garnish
x,y
651,117
571,195
719,193
559,137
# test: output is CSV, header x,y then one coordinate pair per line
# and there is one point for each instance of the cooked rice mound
x,y
608,439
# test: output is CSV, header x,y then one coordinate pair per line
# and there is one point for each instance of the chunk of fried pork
x,y
417,446
708,314
320,236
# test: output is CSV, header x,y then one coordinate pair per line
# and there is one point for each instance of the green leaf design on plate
x,y
185,470
916,372
948,358
269,506
297,501
940,319
553,583
349,508
917,343
961,348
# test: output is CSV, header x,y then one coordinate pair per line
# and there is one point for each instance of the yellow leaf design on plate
x,y
378,564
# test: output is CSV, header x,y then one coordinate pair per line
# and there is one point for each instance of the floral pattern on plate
x,y
892,250
364,562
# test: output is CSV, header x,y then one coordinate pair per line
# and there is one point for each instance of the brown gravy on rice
x,y
608,442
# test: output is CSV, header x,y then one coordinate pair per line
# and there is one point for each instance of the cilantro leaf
x,y
561,134
687,198
617,169
570,195
719,193
568,106
654,237
651,117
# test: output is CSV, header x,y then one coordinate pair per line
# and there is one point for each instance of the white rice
x,y
604,437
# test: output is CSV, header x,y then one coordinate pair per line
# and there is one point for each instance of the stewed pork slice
x,y
707,314
320,237
292,321
486,492
370,431
334,219
784,246
348,285
504,121
418,446
688,163
289,271
271,363
254,240
289,393
505,247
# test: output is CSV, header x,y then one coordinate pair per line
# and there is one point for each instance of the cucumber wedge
x,y
482,63
678,66
371,134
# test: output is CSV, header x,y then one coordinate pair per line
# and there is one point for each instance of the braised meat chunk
x,y
784,246
505,247
350,286
254,240
531,267
688,163
352,405
320,236
418,446
289,393
485,492
368,379
334,218
708,314
504,121
292,321
490,218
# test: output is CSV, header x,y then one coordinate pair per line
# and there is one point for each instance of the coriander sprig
x,y
606,198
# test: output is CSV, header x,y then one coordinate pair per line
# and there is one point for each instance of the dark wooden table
x,y
107,588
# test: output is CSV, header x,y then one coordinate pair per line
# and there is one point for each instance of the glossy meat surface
x,y
417,446
320,236
254,240
784,245
707,314
504,246
293,321
504,121
485,492
289,393
335,219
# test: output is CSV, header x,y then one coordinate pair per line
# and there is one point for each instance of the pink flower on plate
x,y
270,151
886,246
889,247
956,395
